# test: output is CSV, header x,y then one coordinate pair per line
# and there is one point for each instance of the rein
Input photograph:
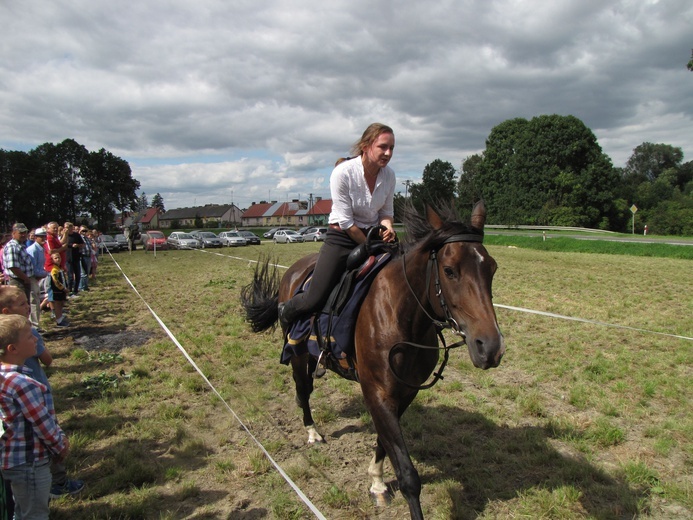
x,y
450,322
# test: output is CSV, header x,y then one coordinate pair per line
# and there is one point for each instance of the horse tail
x,y
261,297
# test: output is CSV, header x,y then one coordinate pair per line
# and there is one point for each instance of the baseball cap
x,y
20,227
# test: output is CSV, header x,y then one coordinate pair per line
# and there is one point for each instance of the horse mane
x,y
421,234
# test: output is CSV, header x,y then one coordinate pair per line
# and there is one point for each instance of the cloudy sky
x,y
218,101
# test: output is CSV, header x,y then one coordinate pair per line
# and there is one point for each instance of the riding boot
x,y
287,314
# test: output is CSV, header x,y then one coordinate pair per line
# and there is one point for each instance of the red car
x,y
153,239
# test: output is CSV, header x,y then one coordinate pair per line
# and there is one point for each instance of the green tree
x,y
466,186
108,186
438,184
690,62
23,193
657,181
141,204
158,202
649,161
549,170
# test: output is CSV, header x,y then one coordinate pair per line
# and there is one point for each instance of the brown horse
x,y
441,279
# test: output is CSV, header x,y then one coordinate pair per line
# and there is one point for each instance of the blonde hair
x,y
11,326
9,295
369,136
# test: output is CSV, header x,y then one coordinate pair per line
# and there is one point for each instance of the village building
x,y
290,214
210,215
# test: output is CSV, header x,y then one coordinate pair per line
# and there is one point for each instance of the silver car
x,y
181,240
207,239
286,236
315,234
107,243
232,238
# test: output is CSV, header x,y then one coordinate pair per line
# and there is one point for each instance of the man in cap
x,y
16,261
38,258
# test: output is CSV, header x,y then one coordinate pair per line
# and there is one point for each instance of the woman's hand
x,y
388,235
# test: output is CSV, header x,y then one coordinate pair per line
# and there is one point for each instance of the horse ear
x,y
433,218
479,215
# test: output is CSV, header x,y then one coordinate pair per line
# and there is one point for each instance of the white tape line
x,y
286,477
593,322
551,314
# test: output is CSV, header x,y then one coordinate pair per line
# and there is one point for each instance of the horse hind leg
x,y
303,367
380,492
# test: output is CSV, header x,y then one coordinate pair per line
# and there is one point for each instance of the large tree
x,y
63,182
657,181
549,170
108,186
438,184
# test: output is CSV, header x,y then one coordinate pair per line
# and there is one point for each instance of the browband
x,y
464,238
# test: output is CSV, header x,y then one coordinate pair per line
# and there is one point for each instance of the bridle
x,y
432,268
432,271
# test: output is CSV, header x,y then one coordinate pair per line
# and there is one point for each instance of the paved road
x,y
598,236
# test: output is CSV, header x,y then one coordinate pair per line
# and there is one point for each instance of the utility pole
x,y
406,187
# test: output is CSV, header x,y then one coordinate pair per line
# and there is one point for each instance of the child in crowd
x,y
57,291
31,435
13,301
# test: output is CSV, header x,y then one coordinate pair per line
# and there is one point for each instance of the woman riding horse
x,y
362,189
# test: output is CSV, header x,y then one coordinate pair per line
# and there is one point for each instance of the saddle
x,y
329,334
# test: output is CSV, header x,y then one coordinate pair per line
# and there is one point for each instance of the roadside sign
x,y
633,209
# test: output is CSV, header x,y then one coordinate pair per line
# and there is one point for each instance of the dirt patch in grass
x,y
99,339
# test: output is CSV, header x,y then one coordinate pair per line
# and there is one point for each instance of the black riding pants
x,y
329,268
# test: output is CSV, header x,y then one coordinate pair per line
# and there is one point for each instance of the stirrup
x,y
319,368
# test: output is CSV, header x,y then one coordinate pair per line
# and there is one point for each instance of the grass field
x,y
579,421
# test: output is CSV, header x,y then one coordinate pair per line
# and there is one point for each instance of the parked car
x,y
232,238
250,238
303,230
316,234
271,232
207,238
285,236
108,243
182,240
154,239
122,241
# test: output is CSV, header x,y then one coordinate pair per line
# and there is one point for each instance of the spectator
x,y
57,243
75,244
38,257
96,240
12,301
31,434
16,261
87,254
56,291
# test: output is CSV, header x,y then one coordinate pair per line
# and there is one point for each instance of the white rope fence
x,y
170,334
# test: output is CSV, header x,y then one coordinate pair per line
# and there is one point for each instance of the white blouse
x,y
352,201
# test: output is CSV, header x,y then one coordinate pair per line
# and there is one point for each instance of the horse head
x,y
464,272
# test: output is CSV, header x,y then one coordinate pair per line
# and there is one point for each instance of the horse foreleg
x,y
303,379
390,436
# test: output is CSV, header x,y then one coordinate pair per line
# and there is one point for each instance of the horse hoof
x,y
313,435
382,499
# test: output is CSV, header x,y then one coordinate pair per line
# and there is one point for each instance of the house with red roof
x,y
320,212
150,220
291,214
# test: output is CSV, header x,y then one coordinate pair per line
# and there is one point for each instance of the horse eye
x,y
449,272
